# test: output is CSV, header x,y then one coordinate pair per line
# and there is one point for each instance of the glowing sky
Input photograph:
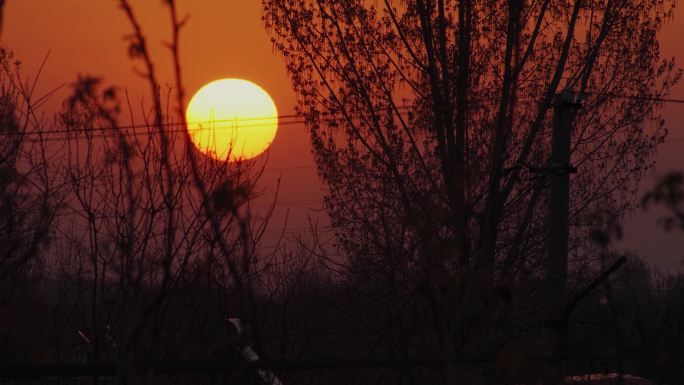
x,y
226,39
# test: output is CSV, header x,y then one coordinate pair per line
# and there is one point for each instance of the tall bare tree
x,y
138,229
146,218
431,125
29,192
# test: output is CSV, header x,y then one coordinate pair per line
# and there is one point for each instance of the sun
x,y
232,120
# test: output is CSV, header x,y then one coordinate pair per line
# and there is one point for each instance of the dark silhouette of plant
x,y
668,192
140,230
29,194
146,219
30,197
430,122
431,125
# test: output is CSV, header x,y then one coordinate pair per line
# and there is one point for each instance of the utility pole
x,y
566,104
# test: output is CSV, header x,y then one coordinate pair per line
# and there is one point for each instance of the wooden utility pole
x,y
565,105
555,291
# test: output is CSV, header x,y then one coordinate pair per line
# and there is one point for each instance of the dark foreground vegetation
x,y
126,256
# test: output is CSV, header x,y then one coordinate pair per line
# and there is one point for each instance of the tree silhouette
x,y
431,125
29,192
148,215
145,222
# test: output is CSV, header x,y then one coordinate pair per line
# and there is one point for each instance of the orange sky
x,y
225,38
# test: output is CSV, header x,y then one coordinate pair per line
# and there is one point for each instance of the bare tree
x,y
29,193
117,243
30,197
147,221
431,125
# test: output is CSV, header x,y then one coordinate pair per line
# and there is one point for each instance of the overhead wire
x,y
176,127
283,120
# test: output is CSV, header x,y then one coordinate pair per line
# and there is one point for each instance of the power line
x,y
292,168
638,97
175,127
179,126
283,120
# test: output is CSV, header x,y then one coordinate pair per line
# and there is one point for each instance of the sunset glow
x,y
403,192
232,120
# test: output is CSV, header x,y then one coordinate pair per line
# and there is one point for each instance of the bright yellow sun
x,y
232,119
